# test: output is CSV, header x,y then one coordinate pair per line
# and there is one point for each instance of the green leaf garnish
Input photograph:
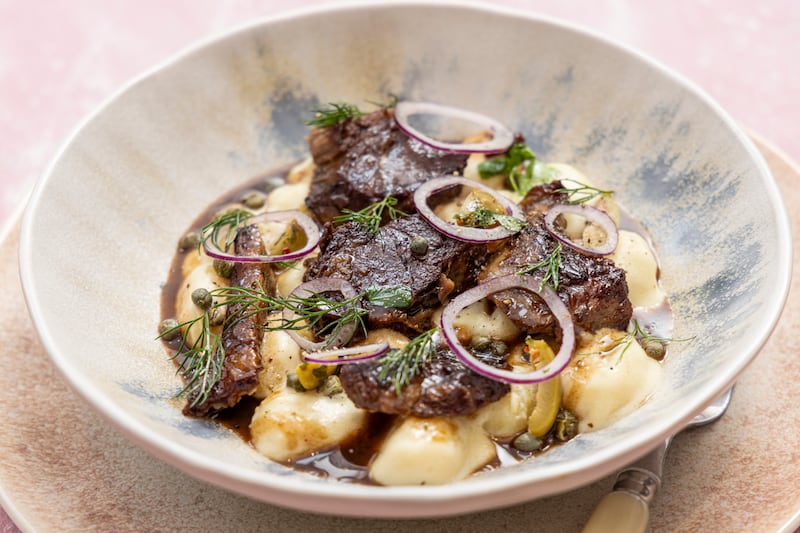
x,y
520,164
404,363
371,216
583,193
222,230
333,114
551,265
201,363
481,217
399,296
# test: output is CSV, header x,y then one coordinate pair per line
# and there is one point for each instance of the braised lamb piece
x,y
361,161
593,288
443,387
242,339
386,259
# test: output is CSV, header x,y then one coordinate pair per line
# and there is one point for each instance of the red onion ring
x,y
333,357
462,233
317,286
592,214
304,221
512,281
502,137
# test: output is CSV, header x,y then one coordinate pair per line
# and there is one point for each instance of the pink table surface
x,y
60,59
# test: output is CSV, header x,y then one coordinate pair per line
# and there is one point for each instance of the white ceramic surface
x,y
99,233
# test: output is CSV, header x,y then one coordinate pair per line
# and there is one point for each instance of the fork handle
x,y
619,512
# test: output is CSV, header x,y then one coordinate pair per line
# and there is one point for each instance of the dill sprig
x,y
551,265
404,363
333,114
223,229
200,363
372,216
583,193
637,333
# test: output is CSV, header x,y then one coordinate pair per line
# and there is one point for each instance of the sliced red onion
x,y
502,137
318,286
513,281
304,221
339,356
593,215
463,233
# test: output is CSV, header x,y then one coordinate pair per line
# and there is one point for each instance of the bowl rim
x,y
406,502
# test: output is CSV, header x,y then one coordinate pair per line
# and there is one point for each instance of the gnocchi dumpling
x,y
634,256
290,424
431,451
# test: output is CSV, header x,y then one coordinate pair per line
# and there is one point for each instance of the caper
x,y
169,329
202,298
419,245
293,382
480,343
527,443
566,425
654,349
498,347
223,268
190,240
254,200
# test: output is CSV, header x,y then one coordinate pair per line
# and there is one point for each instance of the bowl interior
x,y
102,225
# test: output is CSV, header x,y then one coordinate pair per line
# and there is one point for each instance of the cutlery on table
x,y
626,508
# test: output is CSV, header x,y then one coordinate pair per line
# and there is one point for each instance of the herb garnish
x,y
551,264
398,296
201,363
583,193
371,216
649,343
520,164
224,227
404,363
481,217
333,114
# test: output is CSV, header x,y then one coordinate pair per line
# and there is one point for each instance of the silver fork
x,y
627,507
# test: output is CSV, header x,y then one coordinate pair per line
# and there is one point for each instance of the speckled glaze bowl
x,y
101,228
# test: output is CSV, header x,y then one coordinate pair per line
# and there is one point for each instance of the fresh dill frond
x,y
221,231
646,340
583,193
372,216
401,365
551,265
333,114
201,363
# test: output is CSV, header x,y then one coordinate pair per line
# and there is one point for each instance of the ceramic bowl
x,y
101,228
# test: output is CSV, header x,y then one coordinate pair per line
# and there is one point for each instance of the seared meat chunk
x,y
443,387
242,340
360,161
385,259
593,288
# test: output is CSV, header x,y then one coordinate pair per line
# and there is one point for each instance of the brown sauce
x,y
349,462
